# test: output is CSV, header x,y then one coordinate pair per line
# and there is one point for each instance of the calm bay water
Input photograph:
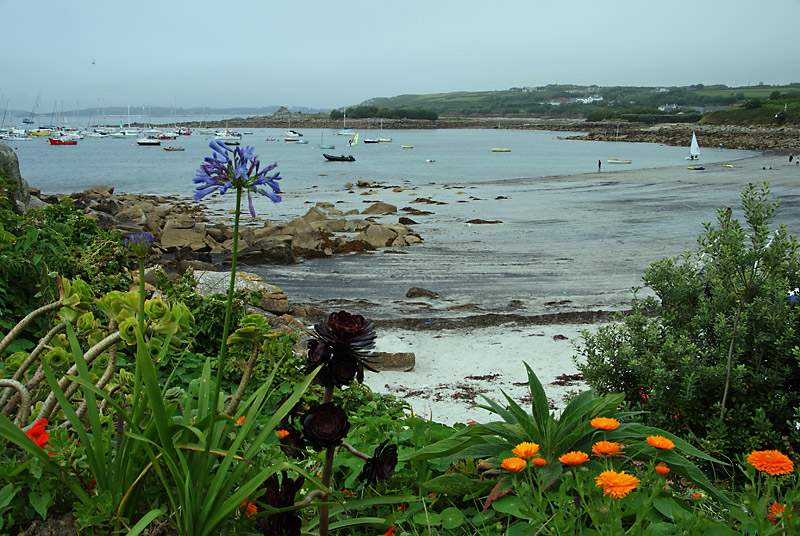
x,y
438,156
578,242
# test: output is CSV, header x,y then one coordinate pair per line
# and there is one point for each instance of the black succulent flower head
x,y
280,494
341,347
380,467
325,426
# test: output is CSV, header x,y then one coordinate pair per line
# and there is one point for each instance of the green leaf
x,y
39,502
510,504
430,518
452,518
720,530
7,493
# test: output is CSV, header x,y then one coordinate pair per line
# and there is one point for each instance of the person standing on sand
x,y
599,164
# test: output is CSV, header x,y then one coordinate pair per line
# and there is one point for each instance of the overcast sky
x,y
333,53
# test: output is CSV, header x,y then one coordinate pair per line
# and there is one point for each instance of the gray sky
x,y
333,53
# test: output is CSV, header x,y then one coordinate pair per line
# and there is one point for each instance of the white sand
x,y
450,365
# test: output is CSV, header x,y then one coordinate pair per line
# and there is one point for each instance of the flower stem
x,y
327,469
229,304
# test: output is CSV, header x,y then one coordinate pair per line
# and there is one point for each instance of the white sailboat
x,y
381,139
694,149
345,130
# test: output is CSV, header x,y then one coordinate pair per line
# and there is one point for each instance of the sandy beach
x,y
468,358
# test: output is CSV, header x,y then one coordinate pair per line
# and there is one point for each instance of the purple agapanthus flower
x,y
139,244
236,168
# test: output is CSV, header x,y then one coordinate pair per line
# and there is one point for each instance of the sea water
x,y
432,157
576,243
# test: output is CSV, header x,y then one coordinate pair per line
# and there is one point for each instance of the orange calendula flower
x,y
249,508
282,433
696,495
662,469
660,442
240,420
539,462
618,485
771,462
606,448
514,465
575,457
605,423
526,450
776,512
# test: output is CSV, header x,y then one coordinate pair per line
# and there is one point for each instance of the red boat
x,y
56,141
165,137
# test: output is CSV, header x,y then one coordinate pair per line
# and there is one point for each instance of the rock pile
x,y
185,236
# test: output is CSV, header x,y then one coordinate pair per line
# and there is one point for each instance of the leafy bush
x,y
713,356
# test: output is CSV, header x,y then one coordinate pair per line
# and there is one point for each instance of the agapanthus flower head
x,y
380,467
139,244
341,347
615,484
237,168
772,462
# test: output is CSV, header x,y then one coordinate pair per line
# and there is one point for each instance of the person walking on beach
x,y
599,164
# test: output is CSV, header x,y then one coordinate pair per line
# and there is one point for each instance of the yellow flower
x,y
539,462
526,450
575,457
771,462
618,485
605,423
606,448
660,442
514,465
662,469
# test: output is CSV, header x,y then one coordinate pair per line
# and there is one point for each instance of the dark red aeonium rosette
x,y
380,467
341,347
280,495
325,426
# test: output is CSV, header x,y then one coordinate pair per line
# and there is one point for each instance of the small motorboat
x,y
173,148
149,141
59,141
340,158
500,150
406,146
618,161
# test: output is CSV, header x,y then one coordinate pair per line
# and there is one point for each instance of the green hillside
x,y
641,104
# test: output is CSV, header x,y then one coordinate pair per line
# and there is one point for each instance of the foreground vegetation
x,y
127,411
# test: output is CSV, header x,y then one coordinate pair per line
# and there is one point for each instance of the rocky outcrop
x,y
185,236
12,185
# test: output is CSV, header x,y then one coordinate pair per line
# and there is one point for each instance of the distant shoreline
x,y
784,140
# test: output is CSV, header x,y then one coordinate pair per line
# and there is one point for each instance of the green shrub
x,y
713,356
